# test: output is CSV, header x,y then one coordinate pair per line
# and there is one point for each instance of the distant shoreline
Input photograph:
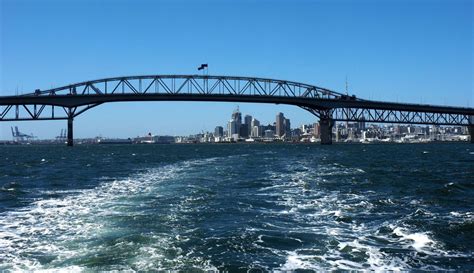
x,y
233,143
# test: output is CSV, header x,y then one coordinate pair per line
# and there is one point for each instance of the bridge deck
x,y
73,100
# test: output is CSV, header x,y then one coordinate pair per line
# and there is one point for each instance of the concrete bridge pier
x,y
325,126
70,139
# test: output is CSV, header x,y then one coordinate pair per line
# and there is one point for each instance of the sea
x,y
237,207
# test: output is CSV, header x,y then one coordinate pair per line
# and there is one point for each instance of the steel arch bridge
x,y
68,102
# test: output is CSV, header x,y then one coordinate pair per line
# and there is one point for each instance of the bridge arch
x,y
328,105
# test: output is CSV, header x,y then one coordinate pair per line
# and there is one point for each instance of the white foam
x,y
297,261
322,210
420,240
57,227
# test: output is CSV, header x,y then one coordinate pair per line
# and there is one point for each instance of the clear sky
x,y
406,51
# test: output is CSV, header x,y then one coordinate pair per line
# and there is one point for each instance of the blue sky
x,y
406,51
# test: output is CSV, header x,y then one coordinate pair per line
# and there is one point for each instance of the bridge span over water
x,y
68,102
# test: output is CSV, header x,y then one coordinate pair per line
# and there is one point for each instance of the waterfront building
x,y
255,125
248,124
296,133
256,131
316,130
255,122
231,128
235,122
280,126
287,125
219,131
270,134
244,131
268,127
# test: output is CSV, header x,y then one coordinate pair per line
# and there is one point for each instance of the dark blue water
x,y
237,207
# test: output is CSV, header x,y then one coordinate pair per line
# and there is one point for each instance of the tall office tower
x,y
231,128
280,126
237,118
219,131
244,131
248,123
255,125
316,130
287,124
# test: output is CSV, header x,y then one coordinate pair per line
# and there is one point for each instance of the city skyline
x,y
250,129
427,49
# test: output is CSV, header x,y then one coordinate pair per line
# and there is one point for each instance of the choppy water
x,y
237,207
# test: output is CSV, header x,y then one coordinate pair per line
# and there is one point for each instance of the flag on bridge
x,y
202,66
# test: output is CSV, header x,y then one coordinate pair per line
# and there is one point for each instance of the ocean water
x,y
237,207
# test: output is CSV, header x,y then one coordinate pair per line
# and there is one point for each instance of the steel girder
x,y
192,84
23,112
399,116
49,109
69,101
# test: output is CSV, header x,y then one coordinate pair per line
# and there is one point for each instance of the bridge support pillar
x,y
325,126
471,132
70,139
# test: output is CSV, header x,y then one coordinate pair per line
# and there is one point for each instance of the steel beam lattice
x,y
67,102
399,116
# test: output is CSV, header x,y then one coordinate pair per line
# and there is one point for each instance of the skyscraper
x,y
280,126
287,124
244,131
237,116
231,128
248,124
255,125
236,122
219,131
316,130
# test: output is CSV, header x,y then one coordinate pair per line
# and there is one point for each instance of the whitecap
x,y
52,226
297,261
420,240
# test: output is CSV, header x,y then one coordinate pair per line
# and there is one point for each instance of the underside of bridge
x,y
329,106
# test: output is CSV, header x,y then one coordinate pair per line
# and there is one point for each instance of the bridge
x,y
68,102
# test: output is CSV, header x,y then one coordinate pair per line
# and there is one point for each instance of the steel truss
x,y
399,116
192,84
156,84
67,102
25,112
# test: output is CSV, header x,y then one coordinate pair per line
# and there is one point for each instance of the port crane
x,y
62,136
21,137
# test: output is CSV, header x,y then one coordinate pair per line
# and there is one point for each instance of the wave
x,y
219,214
56,233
